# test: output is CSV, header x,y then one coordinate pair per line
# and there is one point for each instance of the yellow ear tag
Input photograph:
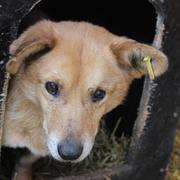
x,y
147,60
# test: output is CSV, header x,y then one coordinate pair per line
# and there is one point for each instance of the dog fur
x,y
80,57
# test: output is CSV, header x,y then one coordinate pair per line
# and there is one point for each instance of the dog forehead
x,y
88,69
82,54
82,30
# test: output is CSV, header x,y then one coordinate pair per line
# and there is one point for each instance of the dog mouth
x,y
69,150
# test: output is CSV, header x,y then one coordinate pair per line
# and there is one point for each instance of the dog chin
x,y
52,146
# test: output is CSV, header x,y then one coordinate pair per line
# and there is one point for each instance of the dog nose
x,y
70,150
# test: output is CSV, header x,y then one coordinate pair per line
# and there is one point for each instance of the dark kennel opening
x,y
149,153
131,19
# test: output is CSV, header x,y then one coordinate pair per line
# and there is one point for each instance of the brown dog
x,y
66,76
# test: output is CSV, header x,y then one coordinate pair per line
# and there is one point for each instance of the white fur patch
x,y
87,147
53,142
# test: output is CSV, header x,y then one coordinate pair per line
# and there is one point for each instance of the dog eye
x,y
97,95
52,88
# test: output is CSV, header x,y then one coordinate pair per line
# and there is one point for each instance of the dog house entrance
x,y
133,19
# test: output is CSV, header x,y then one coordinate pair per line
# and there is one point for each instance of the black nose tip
x,y
70,150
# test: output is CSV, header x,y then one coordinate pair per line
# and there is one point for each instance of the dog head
x,y
74,73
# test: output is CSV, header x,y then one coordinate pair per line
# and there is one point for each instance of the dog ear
x,y
33,43
130,56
